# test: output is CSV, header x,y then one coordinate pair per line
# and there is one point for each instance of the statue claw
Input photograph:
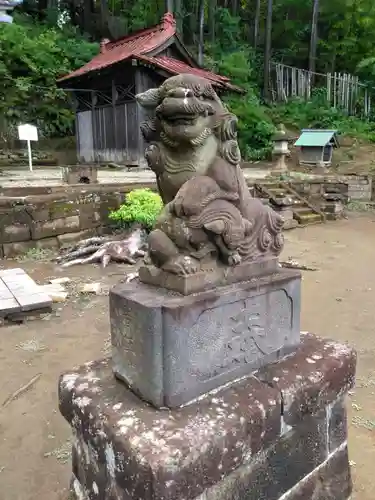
x,y
234,259
182,265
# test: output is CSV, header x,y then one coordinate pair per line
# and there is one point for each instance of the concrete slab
x,y
20,293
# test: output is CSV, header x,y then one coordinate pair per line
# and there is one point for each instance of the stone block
x,y
316,188
208,279
80,174
231,444
40,230
158,454
14,225
330,480
38,214
69,238
90,220
337,423
290,224
21,247
286,213
47,243
16,232
299,378
64,208
171,348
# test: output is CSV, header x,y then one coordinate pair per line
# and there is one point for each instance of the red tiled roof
x,y
176,67
138,45
140,42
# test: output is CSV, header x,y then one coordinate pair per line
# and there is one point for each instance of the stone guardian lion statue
x,y
210,220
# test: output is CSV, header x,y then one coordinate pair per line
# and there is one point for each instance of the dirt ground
x,y
338,302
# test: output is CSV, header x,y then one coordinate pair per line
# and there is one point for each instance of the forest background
x,y
50,38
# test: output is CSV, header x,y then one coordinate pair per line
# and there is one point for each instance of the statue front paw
x,y
182,265
234,259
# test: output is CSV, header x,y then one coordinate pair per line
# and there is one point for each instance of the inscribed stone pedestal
x,y
171,348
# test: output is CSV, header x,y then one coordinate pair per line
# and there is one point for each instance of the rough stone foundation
x,y
280,434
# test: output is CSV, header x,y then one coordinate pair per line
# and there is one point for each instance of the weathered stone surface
x,y
330,481
337,423
171,349
206,279
90,220
69,238
54,227
64,208
16,232
14,225
14,249
122,443
272,479
80,174
299,378
233,444
210,223
46,243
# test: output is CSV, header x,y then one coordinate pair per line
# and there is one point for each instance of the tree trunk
x,y
104,17
178,15
169,6
201,32
88,9
314,38
267,51
212,4
256,23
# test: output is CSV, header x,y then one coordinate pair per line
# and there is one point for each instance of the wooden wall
x,y
108,120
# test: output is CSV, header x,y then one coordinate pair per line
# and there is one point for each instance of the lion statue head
x,y
186,112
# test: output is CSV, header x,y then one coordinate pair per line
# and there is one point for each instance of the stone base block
x,y
277,435
207,279
80,174
171,349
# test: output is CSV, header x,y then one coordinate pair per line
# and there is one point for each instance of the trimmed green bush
x,y
142,206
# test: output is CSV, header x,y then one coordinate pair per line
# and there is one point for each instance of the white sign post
x,y
28,133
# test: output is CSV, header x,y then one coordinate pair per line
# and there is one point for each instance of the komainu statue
x,y
211,230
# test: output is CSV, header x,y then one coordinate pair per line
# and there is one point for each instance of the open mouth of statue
x,y
181,119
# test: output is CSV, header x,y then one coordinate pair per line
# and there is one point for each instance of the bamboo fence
x,y
343,91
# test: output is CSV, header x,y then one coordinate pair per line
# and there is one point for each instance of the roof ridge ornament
x,y
103,45
168,19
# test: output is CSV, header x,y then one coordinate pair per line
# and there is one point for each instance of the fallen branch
x,y
21,390
292,264
80,252
126,250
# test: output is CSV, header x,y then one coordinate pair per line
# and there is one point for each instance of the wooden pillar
x,y
93,122
114,120
139,87
267,51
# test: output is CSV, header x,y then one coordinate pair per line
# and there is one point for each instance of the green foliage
x,y
254,126
141,206
316,113
32,57
34,51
